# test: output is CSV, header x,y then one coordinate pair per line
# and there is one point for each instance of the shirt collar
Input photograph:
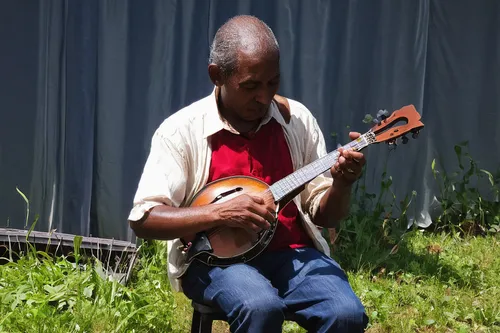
x,y
214,122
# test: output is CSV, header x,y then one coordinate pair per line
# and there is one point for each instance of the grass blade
x,y
27,206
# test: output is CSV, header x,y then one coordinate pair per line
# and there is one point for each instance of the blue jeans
x,y
255,295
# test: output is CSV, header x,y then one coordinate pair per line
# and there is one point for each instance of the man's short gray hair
x,y
243,31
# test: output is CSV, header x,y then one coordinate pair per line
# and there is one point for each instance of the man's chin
x,y
253,118
253,115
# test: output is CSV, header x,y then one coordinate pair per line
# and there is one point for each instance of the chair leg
x,y
206,324
201,323
196,322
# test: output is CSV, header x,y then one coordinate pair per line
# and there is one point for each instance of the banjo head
x,y
229,245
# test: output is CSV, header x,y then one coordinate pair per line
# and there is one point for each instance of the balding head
x,y
241,33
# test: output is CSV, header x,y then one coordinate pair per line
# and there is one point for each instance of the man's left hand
x,y
349,165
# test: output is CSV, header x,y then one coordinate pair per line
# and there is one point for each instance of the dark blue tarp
x,y
84,83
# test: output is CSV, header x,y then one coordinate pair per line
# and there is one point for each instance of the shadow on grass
x,y
413,254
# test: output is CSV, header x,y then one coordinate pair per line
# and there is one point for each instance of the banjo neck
x,y
284,189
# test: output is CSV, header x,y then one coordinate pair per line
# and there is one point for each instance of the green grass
x,y
430,283
42,294
434,283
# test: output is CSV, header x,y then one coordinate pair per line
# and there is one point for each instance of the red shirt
x,y
265,156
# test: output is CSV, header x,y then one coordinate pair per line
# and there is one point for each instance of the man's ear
x,y
215,74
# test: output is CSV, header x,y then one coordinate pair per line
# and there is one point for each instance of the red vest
x,y
265,156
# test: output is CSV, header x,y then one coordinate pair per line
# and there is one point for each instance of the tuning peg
x,y
404,139
392,142
382,114
415,134
375,121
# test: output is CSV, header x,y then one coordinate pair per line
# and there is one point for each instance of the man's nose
x,y
264,96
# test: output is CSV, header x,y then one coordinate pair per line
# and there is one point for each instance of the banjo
x,y
223,246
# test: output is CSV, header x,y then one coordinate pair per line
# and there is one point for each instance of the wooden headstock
x,y
387,130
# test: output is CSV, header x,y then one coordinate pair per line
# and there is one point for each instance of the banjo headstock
x,y
388,129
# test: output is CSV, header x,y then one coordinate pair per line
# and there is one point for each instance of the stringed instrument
x,y
223,246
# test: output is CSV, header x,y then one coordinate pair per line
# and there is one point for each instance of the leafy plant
x,y
40,292
464,207
374,227
376,222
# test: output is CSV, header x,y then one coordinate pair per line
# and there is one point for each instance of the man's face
x,y
248,92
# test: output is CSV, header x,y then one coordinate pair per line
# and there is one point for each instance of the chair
x,y
204,315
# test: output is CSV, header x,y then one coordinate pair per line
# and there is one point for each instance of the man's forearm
x,y
334,206
165,222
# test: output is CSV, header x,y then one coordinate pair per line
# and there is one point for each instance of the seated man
x,y
240,130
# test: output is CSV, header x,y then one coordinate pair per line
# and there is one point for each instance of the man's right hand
x,y
250,212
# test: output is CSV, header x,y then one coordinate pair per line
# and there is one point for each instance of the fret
x,y
307,173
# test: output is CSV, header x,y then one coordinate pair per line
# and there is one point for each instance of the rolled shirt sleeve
x,y
163,180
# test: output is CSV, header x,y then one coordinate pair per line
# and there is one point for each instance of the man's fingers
x,y
265,215
354,156
260,221
257,199
354,135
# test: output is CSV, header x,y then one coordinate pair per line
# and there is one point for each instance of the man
x,y
239,130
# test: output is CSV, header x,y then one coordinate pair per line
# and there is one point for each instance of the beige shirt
x,y
179,160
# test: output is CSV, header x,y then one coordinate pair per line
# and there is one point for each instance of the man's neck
x,y
242,126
